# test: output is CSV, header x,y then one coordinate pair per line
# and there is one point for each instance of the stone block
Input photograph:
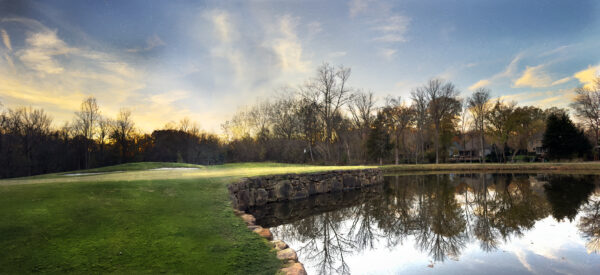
x,y
335,185
283,190
287,255
300,194
261,196
312,189
279,245
349,182
248,219
243,199
294,269
264,232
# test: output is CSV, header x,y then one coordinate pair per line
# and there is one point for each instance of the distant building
x,y
468,151
535,145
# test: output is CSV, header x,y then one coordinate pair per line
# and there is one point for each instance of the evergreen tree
x,y
378,142
562,139
566,194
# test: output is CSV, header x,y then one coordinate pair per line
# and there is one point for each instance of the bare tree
x,y
171,125
85,124
238,126
400,119
189,126
420,105
185,124
33,125
442,104
479,107
260,119
361,107
284,117
329,90
311,124
465,124
122,130
103,132
587,108
2,122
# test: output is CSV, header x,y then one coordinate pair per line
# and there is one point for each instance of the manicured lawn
x,y
175,221
136,166
131,220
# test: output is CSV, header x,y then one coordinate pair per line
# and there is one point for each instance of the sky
x,y
166,60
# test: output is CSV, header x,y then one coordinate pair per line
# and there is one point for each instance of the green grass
x,y
134,166
132,220
137,166
137,221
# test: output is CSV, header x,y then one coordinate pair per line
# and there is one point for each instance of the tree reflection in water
x,y
589,223
442,213
441,227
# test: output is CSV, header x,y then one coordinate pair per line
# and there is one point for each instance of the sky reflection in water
x,y
447,224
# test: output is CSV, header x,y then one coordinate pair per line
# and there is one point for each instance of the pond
x,y
447,224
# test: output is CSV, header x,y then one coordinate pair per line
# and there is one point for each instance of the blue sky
x,y
166,60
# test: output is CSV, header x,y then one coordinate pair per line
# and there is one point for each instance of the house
x,y
468,151
534,145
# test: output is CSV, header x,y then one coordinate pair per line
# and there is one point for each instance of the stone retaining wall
x,y
278,213
258,191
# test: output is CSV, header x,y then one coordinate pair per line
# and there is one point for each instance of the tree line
x,y
323,121
326,121
29,145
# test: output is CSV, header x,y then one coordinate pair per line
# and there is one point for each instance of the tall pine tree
x,y
563,140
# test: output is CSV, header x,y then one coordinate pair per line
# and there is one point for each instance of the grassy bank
x,y
575,166
133,221
140,218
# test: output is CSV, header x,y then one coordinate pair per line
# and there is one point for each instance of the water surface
x,y
447,224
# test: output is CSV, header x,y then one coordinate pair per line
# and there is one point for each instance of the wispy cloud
x,y
170,96
556,50
223,27
288,48
479,84
534,77
538,77
587,76
387,53
6,39
387,25
226,35
358,6
56,76
561,81
509,71
151,43
392,29
247,64
545,99
42,49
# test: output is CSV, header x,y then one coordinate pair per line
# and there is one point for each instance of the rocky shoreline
x,y
284,252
